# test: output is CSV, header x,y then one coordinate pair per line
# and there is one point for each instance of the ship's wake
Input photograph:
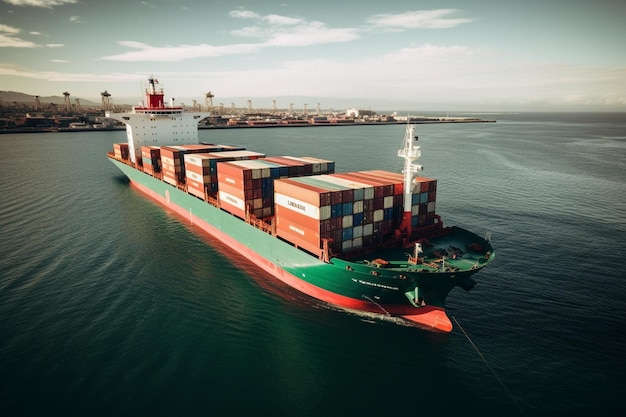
x,y
366,316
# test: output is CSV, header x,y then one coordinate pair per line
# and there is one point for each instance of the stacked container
x,y
309,209
423,207
384,209
121,150
250,185
297,167
247,186
201,169
151,159
423,199
357,210
317,166
172,159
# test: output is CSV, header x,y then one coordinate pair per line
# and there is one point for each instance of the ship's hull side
x,y
382,293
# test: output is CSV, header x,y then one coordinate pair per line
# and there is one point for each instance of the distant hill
x,y
9,97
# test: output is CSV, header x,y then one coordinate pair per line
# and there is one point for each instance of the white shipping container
x,y
299,206
197,159
232,200
205,179
347,221
325,212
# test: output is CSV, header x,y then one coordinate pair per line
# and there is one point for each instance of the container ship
x,y
368,241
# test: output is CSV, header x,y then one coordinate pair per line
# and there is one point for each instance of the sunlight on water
x,y
110,303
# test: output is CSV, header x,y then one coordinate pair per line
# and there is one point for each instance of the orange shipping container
x,y
298,235
197,191
308,193
231,202
295,217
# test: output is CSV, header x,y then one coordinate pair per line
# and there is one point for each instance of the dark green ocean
x,y
110,306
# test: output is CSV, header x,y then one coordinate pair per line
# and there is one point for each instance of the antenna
x,y
409,153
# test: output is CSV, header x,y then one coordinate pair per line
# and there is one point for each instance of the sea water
x,y
110,305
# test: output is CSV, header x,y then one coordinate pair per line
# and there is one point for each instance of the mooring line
x,y
490,367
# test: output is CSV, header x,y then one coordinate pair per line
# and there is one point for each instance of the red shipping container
x,y
388,185
393,178
297,218
380,188
298,235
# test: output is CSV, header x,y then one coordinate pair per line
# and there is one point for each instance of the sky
x,y
479,55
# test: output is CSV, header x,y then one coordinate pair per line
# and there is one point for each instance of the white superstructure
x,y
156,124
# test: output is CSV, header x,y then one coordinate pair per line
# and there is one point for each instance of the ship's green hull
x,y
415,292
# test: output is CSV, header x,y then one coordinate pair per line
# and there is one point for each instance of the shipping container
x,y
344,220
317,165
173,156
392,179
120,150
301,166
151,157
290,168
382,188
303,190
298,235
251,181
232,200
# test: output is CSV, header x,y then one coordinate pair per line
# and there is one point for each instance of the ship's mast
x,y
410,153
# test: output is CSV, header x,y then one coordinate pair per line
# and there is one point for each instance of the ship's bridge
x,y
167,111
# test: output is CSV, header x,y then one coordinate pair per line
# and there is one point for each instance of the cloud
x,y
13,42
8,40
48,4
278,30
423,74
54,76
9,29
249,32
275,19
313,33
419,19
59,61
273,31
243,14
75,19
145,52
428,54
54,45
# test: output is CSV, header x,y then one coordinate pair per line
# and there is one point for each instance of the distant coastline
x,y
261,124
